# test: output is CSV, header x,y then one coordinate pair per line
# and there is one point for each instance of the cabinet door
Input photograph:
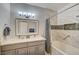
x,y
41,50
36,50
12,52
31,50
22,51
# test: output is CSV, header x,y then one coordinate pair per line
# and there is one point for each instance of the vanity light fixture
x,y
26,14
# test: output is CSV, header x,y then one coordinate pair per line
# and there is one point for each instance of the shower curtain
x,y
47,36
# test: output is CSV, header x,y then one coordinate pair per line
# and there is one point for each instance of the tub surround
x,y
30,46
68,18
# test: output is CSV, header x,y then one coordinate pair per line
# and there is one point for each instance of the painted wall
x,y
8,13
68,16
4,17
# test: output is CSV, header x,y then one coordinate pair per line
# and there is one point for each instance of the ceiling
x,y
52,6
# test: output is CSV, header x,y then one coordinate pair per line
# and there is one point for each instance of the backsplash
x,y
71,26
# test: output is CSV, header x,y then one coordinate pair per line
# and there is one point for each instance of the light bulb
x,y
33,14
29,14
20,13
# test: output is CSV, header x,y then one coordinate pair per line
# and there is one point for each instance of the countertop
x,y
14,41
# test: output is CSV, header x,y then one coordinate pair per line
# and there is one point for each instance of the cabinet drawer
x,y
12,52
14,46
36,43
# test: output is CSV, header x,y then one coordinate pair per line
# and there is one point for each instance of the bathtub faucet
x,y
66,37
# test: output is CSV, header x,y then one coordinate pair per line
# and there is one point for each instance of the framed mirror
x,y
26,26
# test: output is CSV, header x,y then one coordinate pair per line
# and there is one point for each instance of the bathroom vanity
x,y
33,46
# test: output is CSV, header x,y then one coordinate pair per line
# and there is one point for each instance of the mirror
x,y
26,26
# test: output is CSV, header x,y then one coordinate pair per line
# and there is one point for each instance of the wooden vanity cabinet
x,y
26,48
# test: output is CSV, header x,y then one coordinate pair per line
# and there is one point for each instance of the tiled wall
x,y
68,17
72,40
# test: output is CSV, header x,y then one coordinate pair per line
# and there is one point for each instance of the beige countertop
x,y
14,41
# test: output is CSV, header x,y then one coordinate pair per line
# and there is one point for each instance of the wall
x,y
8,13
41,15
68,16
4,17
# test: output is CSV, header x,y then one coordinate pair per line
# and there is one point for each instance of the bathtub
x,y
60,48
